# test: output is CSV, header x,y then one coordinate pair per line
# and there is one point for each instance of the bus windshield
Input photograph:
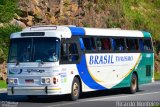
x,y
38,49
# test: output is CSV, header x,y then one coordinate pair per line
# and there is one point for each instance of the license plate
x,y
29,81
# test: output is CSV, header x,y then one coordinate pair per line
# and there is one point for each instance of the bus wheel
x,y
75,89
133,84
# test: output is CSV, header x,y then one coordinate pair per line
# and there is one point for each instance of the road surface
x,y
148,95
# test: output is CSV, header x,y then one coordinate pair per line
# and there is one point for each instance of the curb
x,y
3,90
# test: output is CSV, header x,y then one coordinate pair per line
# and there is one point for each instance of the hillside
x,y
124,14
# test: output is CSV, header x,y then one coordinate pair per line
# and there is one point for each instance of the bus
x,y
58,60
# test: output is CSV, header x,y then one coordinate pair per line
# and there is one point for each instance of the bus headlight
x,y
13,81
45,80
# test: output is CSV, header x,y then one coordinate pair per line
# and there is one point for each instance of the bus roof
x,y
68,31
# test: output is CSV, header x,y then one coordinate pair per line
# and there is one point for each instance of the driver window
x,y
69,52
73,52
64,56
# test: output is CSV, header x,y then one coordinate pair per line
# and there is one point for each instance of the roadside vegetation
x,y
5,32
157,76
3,84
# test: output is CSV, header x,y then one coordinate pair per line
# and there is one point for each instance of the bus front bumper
x,y
34,90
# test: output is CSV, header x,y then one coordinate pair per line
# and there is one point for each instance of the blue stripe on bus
x,y
81,44
76,31
86,77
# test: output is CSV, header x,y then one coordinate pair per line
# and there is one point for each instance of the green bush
x,y
4,40
3,84
7,10
156,75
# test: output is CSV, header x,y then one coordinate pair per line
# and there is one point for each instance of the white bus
x,y
56,60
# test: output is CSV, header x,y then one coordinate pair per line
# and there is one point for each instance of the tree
x,y
7,10
4,40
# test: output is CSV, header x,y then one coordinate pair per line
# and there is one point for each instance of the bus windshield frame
x,y
34,49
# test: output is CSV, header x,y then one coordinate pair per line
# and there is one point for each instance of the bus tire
x,y
75,89
133,84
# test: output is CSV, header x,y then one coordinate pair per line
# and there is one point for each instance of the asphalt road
x,y
148,95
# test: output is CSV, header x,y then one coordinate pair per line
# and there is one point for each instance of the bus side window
x,y
106,45
146,44
113,44
121,44
103,43
73,52
132,44
69,52
99,43
118,44
64,56
141,45
89,43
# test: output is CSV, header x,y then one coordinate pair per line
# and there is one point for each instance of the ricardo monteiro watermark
x,y
8,104
137,103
